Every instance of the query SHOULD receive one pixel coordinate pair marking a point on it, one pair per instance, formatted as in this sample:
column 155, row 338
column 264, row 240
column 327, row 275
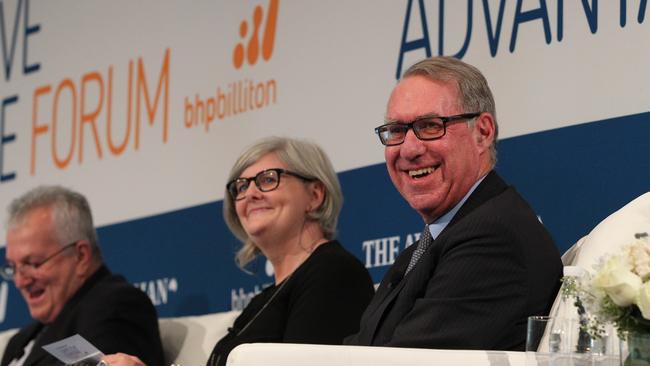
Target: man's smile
column 419, row 173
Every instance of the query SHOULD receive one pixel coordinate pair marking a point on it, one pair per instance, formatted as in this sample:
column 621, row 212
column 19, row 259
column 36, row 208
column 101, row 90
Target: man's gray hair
column 302, row 157
column 72, row 218
column 475, row 94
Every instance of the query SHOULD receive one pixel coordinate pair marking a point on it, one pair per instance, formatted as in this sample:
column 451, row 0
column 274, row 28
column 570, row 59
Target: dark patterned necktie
column 423, row 244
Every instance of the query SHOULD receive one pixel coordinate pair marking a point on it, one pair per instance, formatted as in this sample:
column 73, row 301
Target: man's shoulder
column 499, row 199
column 510, row 205
column 107, row 292
column 107, row 296
column 113, row 285
column 503, row 212
column 498, row 210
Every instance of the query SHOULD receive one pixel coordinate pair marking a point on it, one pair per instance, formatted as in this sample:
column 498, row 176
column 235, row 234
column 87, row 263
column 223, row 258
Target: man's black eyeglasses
column 9, row 270
column 425, row 128
column 266, row 180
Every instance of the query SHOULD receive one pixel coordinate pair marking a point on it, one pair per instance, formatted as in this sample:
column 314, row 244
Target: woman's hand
column 120, row 359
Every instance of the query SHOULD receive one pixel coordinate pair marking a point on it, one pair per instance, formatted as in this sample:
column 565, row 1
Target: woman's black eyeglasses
column 266, row 181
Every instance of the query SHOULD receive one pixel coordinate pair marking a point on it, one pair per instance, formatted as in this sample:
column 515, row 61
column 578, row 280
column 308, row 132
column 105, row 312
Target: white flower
column 618, row 281
column 643, row 300
column 638, row 254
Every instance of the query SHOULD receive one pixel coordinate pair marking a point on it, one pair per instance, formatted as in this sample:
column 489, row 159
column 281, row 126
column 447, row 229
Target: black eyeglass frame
column 411, row 126
column 279, row 171
column 8, row 272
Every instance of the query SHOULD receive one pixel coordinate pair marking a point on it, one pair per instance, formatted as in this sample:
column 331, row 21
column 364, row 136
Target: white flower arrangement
column 618, row 292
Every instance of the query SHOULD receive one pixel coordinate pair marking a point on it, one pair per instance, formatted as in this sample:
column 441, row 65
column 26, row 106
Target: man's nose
column 412, row 147
column 21, row 280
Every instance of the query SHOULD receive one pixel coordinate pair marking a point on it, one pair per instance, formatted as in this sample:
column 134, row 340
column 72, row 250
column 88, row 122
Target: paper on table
column 74, row 350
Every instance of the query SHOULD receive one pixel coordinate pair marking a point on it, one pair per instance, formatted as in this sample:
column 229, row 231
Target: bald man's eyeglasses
column 9, row 270
column 425, row 128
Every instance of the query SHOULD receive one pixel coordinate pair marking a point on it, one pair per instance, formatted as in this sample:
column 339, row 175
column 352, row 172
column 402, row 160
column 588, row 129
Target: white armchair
column 609, row 236
column 285, row 354
column 186, row 340
column 189, row 340
column 5, row 336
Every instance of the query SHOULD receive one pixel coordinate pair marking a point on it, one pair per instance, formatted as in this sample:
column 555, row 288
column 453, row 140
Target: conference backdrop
column 143, row 106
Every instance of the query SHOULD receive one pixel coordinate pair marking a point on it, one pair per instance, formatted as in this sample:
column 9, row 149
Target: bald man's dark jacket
column 108, row 311
column 489, row 269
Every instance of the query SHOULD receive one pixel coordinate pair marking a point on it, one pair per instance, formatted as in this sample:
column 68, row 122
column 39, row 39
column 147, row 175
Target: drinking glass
column 556, row 341
column 538, row 340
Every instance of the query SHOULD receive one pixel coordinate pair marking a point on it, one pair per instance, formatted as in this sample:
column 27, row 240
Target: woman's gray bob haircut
column 302, row 157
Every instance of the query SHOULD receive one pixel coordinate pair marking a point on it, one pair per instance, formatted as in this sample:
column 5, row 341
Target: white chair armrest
column 189, row 340
column 286, row 354
column 5, row 336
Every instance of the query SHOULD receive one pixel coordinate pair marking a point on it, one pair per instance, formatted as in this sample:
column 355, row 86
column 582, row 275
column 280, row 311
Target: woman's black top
column 321, row 302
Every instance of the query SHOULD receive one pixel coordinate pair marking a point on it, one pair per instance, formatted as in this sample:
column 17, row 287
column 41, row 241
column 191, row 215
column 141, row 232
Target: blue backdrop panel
column 573, row 177
column 576, row 176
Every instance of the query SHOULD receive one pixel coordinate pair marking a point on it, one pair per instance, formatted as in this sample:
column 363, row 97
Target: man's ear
column 84, row 257
column 484, row 131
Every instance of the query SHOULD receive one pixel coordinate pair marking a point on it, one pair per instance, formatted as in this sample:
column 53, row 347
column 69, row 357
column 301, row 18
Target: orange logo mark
column 252, row 51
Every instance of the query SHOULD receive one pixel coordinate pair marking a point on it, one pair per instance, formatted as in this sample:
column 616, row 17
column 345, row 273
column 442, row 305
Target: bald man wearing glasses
column 484, row 262
column 53, row 257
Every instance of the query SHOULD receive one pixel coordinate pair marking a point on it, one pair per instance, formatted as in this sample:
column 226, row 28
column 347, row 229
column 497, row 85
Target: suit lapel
column 35, row 332
column 390, row 287
column 17, row 344
column 394, row 278
column 37, row 354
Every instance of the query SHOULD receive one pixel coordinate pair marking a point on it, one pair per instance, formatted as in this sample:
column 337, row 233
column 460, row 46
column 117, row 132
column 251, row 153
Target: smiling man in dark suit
column 54, row 259
column 484, row 262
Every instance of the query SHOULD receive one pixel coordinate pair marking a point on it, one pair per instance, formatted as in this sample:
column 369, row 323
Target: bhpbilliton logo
column 254, row 41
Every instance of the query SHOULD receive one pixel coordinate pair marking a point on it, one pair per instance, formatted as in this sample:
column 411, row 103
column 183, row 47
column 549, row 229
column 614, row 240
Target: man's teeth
column 420, row 172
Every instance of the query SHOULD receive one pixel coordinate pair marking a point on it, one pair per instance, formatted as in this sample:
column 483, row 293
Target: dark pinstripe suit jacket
column 489, row 269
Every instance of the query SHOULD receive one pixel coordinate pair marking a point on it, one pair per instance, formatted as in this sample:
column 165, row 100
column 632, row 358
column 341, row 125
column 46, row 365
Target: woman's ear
column 316, row 194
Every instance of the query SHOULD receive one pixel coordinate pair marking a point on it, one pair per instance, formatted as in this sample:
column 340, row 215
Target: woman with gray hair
column 283, row 201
